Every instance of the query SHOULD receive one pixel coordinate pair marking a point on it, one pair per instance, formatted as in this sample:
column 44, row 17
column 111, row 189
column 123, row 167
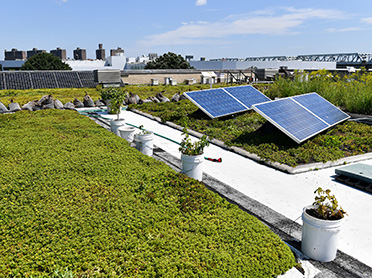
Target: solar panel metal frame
column 229, row 94
column 289, row 134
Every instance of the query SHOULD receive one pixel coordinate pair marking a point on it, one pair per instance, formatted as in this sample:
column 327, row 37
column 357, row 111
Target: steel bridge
column 342, row 59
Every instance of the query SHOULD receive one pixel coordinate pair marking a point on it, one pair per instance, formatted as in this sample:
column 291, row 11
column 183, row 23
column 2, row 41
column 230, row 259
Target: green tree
column 169, row 61
column 45, row 61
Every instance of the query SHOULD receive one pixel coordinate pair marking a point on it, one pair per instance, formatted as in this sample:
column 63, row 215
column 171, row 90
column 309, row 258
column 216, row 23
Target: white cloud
column 266, row 22
column 367, row 20
column 349, row 29
column 201, row 2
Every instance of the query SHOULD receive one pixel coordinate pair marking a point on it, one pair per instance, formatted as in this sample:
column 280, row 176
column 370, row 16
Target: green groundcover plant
column 78, row 201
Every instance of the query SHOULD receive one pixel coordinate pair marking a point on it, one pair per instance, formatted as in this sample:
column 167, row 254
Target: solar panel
column 43, row 79
column 17, row 80
column 301, row 117
column 226, row 101
column 68, row 79
column 215, row 102
column 2, row 83
column 248, row 95
column 322, row 108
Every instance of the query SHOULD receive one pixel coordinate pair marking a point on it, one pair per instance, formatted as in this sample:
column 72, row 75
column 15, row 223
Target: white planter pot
column 115, row 124
column 126, row 132
column 192, row 166
column 320, row 237
column 145, row 143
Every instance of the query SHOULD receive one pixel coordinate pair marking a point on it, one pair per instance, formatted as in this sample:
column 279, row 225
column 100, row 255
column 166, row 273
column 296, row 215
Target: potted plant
column 321, row 226
column 144, row 141
column 114, row 98
column 192, row 155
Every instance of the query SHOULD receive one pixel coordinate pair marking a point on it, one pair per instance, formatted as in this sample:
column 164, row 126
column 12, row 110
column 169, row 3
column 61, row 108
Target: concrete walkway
column 284, row 193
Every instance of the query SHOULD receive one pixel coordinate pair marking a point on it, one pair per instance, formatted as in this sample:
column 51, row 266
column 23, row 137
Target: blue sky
column 203, row 28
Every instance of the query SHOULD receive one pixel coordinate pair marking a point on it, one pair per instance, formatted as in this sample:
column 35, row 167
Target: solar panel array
column 2, row 84
column 226, row 101
column 87, row 79
column 43, row 79
column 301, row 117
column 21, row 80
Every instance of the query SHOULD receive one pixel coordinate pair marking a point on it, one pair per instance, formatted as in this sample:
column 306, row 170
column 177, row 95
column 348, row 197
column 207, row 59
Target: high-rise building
column 100, row 52
column 153, row 56
column 80, row 54
column 33, row 52
column 15, row 54
column 60, row 53
column 117, row 52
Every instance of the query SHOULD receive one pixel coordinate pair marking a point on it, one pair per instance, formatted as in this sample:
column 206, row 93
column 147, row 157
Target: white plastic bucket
column 192, row 166
column 320, row 237
column 145, row 143
column 126, row 132
column 115, row 124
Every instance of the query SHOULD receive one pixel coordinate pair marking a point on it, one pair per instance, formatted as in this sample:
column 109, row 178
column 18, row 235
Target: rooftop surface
column 283, row 193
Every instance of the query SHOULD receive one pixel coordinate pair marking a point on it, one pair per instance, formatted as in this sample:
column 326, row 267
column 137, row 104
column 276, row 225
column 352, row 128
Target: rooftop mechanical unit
column 108, row 78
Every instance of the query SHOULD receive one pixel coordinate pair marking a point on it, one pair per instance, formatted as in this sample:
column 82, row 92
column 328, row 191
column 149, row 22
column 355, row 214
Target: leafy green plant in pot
column 192, row 155
column 322, row 223
column 115, row 98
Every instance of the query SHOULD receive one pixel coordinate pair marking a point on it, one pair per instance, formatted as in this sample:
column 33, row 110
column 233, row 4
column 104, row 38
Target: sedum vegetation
column 78, row 201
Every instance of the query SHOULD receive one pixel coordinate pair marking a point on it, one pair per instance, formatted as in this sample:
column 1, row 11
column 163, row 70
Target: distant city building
column 153, row 56
column 14, row 55
column 33, row 52
column 60, row 53
column 80, row 54
column 117, row 52
column 142, row 59
column 131, row 60
column 100, row 52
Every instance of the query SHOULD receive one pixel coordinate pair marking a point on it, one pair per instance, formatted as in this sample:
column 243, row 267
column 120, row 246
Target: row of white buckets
column 319, row 237
column 191, row 164
column 144, row 142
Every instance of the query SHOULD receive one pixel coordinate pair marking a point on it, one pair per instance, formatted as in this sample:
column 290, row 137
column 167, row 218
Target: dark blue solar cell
column 294, row 120
column 322, row 108
column 215, row 102
column 248, row 95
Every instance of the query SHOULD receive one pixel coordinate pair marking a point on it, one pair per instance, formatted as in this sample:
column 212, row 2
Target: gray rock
column 58, row 104
column 46, row 102
column 88, row 101
column 3, row 108
column 161, row 97
column 99, row 103
column 78, row 103
column 14, row 106
column 154, row 99
column 147, row 100
column 29, row 105
column 69, row 105
column 176, row 97
column 40, row 102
